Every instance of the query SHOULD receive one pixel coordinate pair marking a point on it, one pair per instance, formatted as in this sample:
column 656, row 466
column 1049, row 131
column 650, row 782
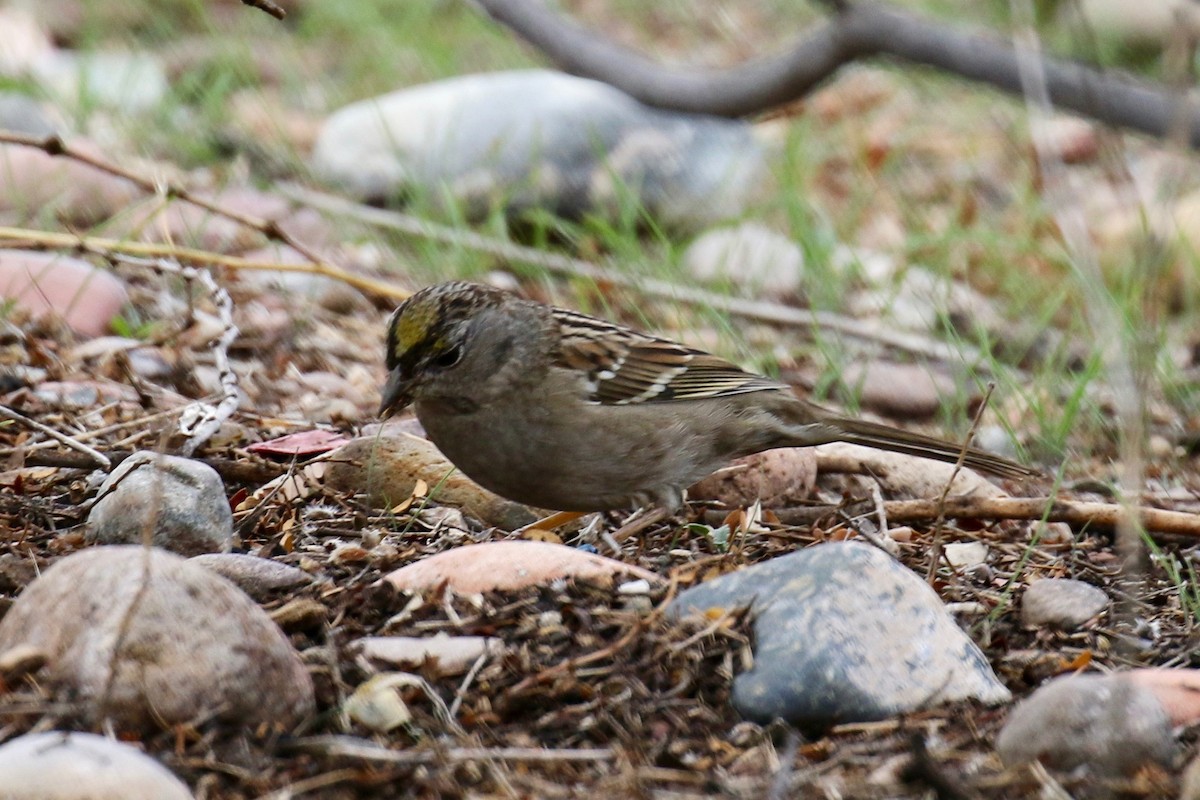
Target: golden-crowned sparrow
column 564, row 411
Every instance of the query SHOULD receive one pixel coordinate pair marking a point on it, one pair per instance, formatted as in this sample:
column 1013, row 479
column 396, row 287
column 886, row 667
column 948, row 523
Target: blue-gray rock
column 845, row 633
column 82, row 766
column 1106, row 724
column 1063, row 603
column 541, row 139
column 180, row 502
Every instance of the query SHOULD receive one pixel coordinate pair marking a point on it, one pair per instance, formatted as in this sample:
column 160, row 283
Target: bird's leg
column 555, row 520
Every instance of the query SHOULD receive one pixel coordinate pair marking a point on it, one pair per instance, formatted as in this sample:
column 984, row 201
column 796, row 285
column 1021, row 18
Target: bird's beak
column 397, row 394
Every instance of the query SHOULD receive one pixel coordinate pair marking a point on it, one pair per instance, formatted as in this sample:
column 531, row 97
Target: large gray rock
column 537, row 138
column 82, row 766
column 177, row 503
column 845, row 633
column 144, row 638
column 1063, row 603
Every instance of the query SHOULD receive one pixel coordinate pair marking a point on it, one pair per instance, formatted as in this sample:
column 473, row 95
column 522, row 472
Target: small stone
column 904, row 391
column 84, row 297
column 82, row 766
column 176, row 503
column 1069, row 139
column 377, row 705
column 752, row 257
column 964, row 555
column 1061, row 603
column 447, row 655
column 143, row 638
column 507, row 565
column 844, row 633
column 1105, row 724
column 258, row 577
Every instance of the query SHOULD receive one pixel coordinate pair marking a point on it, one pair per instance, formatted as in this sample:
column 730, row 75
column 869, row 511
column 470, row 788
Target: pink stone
column 489, row 566
column 44, row 283
column 1177, row 689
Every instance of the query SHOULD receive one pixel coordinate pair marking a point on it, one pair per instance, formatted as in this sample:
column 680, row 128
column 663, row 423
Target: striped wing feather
column 624, row 366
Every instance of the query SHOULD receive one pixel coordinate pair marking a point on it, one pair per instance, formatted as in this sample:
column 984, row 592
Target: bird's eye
column 447, row 358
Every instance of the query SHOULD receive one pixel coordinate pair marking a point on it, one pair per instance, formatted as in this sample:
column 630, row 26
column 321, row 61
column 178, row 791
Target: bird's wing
column 624, row 366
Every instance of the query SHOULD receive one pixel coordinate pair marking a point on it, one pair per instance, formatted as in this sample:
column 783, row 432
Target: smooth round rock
column 752, row 257
column 144, row 638
column 179, row 502
column 43, row 284
column 541, row 139
column 844, row 633
column 1062, row 603
column 82, row 766
column 1105, row 723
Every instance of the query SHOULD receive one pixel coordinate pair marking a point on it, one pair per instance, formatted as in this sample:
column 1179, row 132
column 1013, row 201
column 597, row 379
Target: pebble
column 507, row 565
column 541, row 139
column 192, row 643
column 1105, row 724
column 964, row 555
column 60, row 765
column 904, row 391
column 34, row 184
column 445, row 655
column 1062, row 603
column 260, row 578
column 179, row 502
column 43, row 284
column 845, row 633
column 753, row 258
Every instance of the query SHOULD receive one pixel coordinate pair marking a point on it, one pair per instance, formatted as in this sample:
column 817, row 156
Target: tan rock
column 387, row 467
column 146, row 639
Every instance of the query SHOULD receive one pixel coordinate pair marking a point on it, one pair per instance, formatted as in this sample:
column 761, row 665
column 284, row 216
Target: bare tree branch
column 856, row 31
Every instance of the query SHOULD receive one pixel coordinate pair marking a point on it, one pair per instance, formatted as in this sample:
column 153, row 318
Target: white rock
column 1061, row 603
column 82, row 766
column 751, row 256
column 962, row 555
column 545, row 139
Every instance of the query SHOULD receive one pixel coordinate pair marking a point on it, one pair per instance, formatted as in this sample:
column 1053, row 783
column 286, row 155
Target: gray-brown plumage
column 564, row 411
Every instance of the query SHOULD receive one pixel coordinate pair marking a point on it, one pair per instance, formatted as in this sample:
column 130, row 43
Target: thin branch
column 859, row 30
column 96, row 458
column 1052, row 509
column 273, row 9
column 351, row 747
column 47, row 240
column 758, row 310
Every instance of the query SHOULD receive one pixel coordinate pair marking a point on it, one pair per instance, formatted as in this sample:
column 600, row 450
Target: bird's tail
column 884, row 437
